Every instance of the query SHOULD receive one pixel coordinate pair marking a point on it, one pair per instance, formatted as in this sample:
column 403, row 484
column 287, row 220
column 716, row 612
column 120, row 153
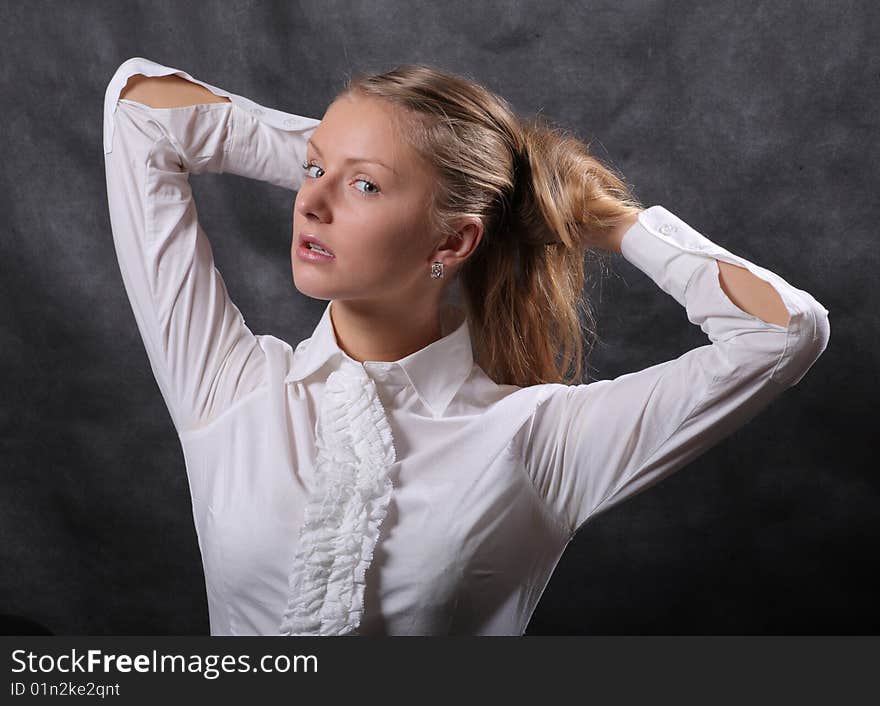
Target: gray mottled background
column 755, row 122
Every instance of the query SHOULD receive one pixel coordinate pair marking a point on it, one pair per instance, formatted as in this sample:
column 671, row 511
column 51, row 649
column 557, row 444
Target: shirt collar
column 436, row 371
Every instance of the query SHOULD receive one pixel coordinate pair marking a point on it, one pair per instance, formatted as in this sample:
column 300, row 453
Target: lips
column 305, row 238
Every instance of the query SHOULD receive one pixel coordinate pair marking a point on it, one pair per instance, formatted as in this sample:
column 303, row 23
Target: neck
column 388, row 332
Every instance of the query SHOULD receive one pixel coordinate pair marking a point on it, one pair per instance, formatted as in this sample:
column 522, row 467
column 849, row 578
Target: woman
column 419, row 464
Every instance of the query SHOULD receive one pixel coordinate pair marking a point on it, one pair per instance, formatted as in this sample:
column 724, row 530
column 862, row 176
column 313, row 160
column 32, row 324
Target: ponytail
column 525, row 292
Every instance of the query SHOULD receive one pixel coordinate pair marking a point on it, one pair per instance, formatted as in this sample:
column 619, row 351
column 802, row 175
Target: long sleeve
column 592, row 446
column 203, row 355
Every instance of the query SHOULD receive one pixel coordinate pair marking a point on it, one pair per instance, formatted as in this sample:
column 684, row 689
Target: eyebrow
column 356, row 160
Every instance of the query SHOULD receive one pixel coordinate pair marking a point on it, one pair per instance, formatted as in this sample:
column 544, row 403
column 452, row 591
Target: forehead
column 363, row 127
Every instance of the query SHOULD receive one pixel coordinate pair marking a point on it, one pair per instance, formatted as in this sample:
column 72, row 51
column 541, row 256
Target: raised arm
column 166, row 126
column 750, row 293
column 590, row 447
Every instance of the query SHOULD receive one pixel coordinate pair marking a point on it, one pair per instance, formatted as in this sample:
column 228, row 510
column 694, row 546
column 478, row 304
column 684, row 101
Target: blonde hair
column 539, row 194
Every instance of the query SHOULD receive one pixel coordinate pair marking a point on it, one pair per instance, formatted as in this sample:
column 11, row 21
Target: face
column 365, row 195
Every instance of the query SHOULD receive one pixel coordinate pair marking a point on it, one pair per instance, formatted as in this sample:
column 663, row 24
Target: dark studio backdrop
column 756, row 122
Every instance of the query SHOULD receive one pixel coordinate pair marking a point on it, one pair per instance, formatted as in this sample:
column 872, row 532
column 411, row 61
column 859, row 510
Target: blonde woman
column 419, row 464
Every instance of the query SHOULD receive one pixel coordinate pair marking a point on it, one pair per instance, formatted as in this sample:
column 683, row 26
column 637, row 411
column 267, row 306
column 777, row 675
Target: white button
column 667, row 228
column 256, row 111
column 290, row 122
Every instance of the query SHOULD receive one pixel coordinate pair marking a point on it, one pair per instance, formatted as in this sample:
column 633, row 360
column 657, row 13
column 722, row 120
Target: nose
column 312, row 200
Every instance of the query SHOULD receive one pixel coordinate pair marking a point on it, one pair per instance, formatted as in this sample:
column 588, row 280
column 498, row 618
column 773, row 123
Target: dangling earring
column 436, row 270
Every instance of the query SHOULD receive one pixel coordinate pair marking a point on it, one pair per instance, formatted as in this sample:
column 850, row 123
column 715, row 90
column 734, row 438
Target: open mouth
column 312, row 252
column 318, row 248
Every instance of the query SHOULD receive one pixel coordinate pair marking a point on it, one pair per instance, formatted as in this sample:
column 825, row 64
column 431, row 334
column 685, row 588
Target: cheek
column 393, row 242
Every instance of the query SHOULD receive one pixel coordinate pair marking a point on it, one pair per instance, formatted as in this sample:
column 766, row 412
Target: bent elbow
column 808, row 335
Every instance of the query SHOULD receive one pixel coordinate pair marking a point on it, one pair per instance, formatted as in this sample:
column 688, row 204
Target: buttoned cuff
column 266, row 144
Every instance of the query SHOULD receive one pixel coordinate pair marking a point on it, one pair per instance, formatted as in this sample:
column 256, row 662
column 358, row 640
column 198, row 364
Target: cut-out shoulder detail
column 752, row 294
column 167, row 92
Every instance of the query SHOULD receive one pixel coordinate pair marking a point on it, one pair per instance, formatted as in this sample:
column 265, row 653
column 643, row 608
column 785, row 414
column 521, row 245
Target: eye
column 372, row 185
column 309, row 165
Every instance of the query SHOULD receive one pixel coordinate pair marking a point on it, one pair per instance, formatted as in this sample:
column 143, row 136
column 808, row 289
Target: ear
column 456, row 248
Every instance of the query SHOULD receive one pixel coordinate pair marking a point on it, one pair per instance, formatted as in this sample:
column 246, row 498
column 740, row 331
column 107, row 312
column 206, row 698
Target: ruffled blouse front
column 345, row 509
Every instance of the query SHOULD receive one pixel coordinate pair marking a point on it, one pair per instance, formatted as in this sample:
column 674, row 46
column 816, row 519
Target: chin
column 312, row 286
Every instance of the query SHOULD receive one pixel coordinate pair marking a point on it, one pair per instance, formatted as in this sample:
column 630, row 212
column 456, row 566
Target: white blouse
column 414, row 497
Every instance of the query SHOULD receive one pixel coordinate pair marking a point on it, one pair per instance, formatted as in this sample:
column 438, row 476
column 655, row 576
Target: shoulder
column 484, row 394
